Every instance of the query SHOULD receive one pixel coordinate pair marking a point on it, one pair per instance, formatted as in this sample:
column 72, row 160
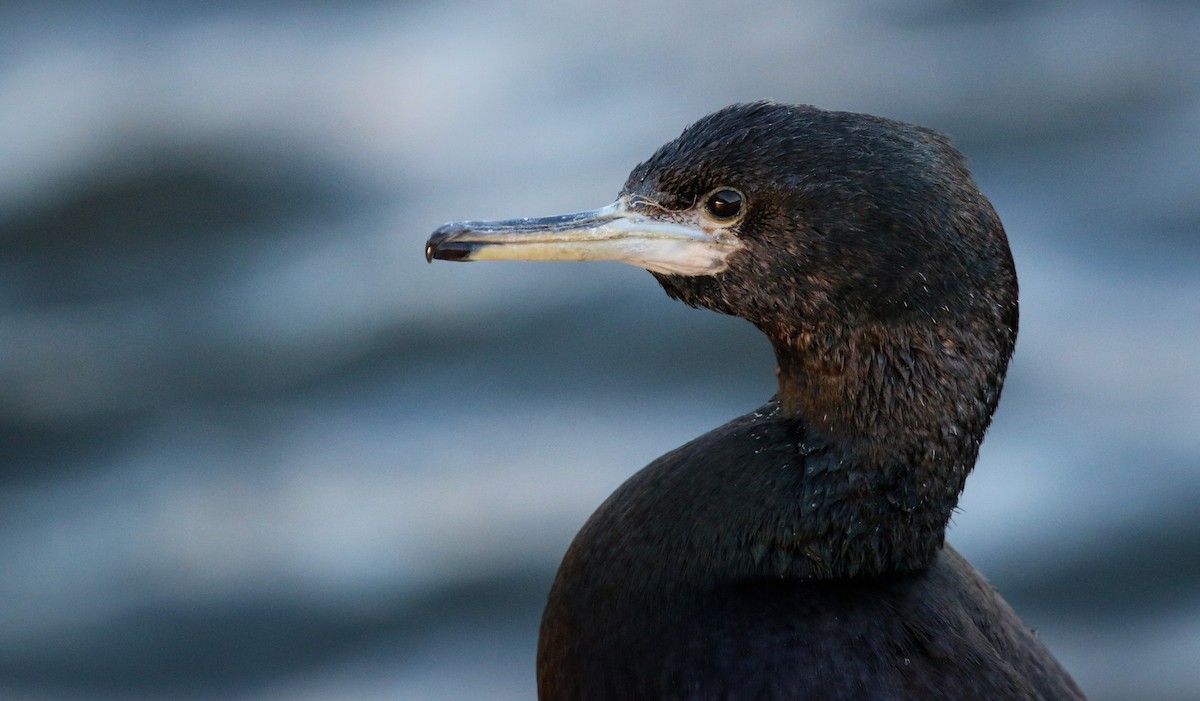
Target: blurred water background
column 252, row 447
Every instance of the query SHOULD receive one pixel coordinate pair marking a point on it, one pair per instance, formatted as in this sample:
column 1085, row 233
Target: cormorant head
column 786, row 215
column 825, row 229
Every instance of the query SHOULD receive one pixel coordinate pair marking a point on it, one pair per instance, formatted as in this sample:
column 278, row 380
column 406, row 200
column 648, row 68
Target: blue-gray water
column 252, row 447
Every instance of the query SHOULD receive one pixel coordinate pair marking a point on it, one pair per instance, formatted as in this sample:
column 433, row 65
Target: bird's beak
column 615, row 232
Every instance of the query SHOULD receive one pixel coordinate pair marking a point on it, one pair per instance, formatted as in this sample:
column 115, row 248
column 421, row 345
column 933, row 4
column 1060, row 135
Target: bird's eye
column 724, row 204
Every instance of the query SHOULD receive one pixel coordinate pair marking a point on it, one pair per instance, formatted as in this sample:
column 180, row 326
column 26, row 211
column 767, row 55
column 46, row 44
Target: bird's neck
column 909, row 413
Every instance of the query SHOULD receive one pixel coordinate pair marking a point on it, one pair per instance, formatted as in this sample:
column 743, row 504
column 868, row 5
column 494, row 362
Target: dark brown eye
column 724, row 204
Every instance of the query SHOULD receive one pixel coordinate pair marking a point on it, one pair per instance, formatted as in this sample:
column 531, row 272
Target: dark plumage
column 798, row 551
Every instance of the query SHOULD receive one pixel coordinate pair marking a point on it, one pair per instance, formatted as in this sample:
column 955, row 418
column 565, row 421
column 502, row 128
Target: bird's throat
column 880, row 386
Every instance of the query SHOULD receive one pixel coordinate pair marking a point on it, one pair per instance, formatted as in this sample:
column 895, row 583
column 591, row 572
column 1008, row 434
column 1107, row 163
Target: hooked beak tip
column 442, row 246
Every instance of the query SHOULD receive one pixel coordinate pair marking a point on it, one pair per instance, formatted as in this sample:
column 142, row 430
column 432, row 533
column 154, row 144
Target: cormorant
column 798, row 551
